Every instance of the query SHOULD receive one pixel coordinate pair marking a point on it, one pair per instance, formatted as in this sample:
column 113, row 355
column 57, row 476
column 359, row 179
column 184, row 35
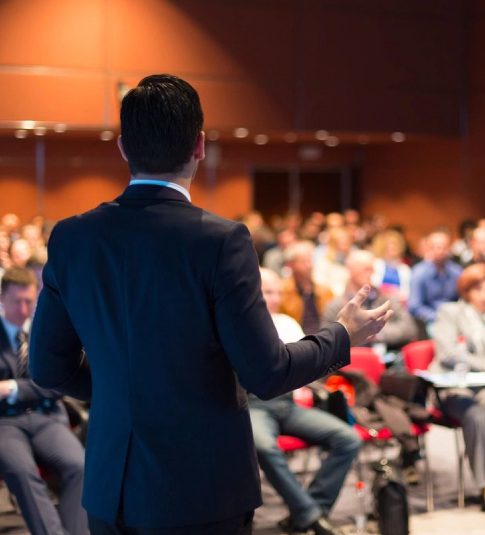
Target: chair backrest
column 366, row 360
column 418, row 355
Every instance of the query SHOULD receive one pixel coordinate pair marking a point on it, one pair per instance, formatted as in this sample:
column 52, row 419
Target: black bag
column 404, row 385
column 390, row 502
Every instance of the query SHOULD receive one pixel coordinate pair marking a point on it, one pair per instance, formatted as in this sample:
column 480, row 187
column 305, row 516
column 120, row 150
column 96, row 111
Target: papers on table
column 451, row 379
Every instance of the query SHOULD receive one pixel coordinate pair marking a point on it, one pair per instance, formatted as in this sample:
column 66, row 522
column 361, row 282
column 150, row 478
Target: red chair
column 418, row 356
column 365, row 360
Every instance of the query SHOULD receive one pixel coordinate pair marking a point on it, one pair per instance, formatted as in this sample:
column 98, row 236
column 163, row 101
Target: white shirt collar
column 12, row 331
column 173, row 185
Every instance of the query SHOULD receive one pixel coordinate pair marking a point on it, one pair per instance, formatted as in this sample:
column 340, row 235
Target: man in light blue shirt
column 34, row 424
column 433, row 281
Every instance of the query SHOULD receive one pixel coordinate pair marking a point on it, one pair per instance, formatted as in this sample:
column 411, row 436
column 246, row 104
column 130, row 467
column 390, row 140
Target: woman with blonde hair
column 391, row 275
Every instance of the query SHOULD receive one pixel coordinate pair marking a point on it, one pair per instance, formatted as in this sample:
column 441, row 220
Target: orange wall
column 272, row 64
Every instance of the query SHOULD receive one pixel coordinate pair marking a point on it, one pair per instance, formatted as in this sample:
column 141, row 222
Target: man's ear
column 119, row 141
column 199, row 151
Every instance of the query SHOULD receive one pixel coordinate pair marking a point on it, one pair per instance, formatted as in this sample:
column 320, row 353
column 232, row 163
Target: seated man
column 302, row 298
column 310, row 508
column 34, row 424
column 400, row 329
column 433, row 281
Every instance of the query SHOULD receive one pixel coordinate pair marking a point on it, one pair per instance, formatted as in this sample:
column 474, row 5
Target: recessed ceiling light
column 40, row 130
column 398, row 137
column 28, row 125
column 60, row 128
column 20, row 134
column 332, row 141
column 241, row 132
column 213, row 135
column 106, row 135
column 321, row 135
column 261, row 139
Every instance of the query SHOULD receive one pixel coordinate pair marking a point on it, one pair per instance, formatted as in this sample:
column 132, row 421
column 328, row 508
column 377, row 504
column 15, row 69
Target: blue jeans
column 282, row 417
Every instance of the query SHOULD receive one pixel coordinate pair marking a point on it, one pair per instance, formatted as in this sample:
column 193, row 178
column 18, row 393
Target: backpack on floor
column 390, row 502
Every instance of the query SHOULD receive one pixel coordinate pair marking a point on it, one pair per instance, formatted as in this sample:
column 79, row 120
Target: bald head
column 361, row 268
column 271, row 288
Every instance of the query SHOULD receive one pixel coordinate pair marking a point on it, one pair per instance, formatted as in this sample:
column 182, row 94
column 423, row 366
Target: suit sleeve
column 56, row 356
column 265, row 365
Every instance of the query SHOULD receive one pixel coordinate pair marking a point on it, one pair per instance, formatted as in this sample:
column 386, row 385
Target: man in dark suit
column 34, row 424
column 163, row 299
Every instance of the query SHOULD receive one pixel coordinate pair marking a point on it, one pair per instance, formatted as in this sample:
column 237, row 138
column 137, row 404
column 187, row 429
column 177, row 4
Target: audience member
column 400, row 329
column 303, row 299
column 274, row 258
column 460, row 249
column 34, row 424
column 391, row 275
column 11, row 223
column 329, row 260
column 477, row 246
column 459, row 333
column 309, row 508
column 20, row 253
column 433, row 281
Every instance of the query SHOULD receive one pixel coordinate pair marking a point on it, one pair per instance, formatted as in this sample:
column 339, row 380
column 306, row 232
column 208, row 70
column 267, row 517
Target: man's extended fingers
column 382, row 310
column 360, row 297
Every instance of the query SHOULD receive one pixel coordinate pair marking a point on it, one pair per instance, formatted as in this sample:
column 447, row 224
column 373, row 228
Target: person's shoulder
column 425, row 267
column 454, row 267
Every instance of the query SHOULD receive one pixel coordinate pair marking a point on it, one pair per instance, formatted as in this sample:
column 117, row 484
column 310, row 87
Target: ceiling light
column 29, row 125
column 106, row 135
column 40, row 130
column 261, row 139
column 20, row 134
column 213, row 135
column 321, row 135
column 290, row 137
column 241, row 132
column 332, row 141
column 363, row 140
column 398, row 137
column 60, row 128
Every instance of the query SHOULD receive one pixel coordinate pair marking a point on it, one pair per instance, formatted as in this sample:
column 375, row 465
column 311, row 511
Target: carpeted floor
column 447, row 519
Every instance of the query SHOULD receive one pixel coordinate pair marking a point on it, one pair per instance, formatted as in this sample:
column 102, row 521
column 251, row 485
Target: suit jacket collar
column 150, row 192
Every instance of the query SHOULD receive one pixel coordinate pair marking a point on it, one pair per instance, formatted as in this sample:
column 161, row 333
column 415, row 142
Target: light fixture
column 20, row 134
column 363, row 140
column 398, row 137
column 60, row 128
column 213, row 135
column 290, row 137
column 261, row 139
column 40, row 130
column 241, row 132
column 106, row 135
column 321, row 135
column 332, row 141
column 27, row 125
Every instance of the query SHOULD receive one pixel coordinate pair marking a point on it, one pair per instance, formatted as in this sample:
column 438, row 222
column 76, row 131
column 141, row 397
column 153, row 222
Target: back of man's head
column 161, row 120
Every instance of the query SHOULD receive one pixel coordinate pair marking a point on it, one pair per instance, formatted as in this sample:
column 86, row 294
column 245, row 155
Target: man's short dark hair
column 18, row 277
column 161, row 119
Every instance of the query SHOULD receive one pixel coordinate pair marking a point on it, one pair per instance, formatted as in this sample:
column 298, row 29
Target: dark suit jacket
column 165, row 299
column 28, row 391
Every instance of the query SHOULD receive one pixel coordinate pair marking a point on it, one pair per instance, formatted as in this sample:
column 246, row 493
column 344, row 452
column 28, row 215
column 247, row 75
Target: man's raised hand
column 362, row 325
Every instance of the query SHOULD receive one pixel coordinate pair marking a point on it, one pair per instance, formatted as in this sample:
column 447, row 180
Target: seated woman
column 391, row 275
column 460, row 339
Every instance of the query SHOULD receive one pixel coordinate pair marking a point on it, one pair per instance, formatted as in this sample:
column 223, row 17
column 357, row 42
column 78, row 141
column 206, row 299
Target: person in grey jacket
column 460, row 340
column 400, row 329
